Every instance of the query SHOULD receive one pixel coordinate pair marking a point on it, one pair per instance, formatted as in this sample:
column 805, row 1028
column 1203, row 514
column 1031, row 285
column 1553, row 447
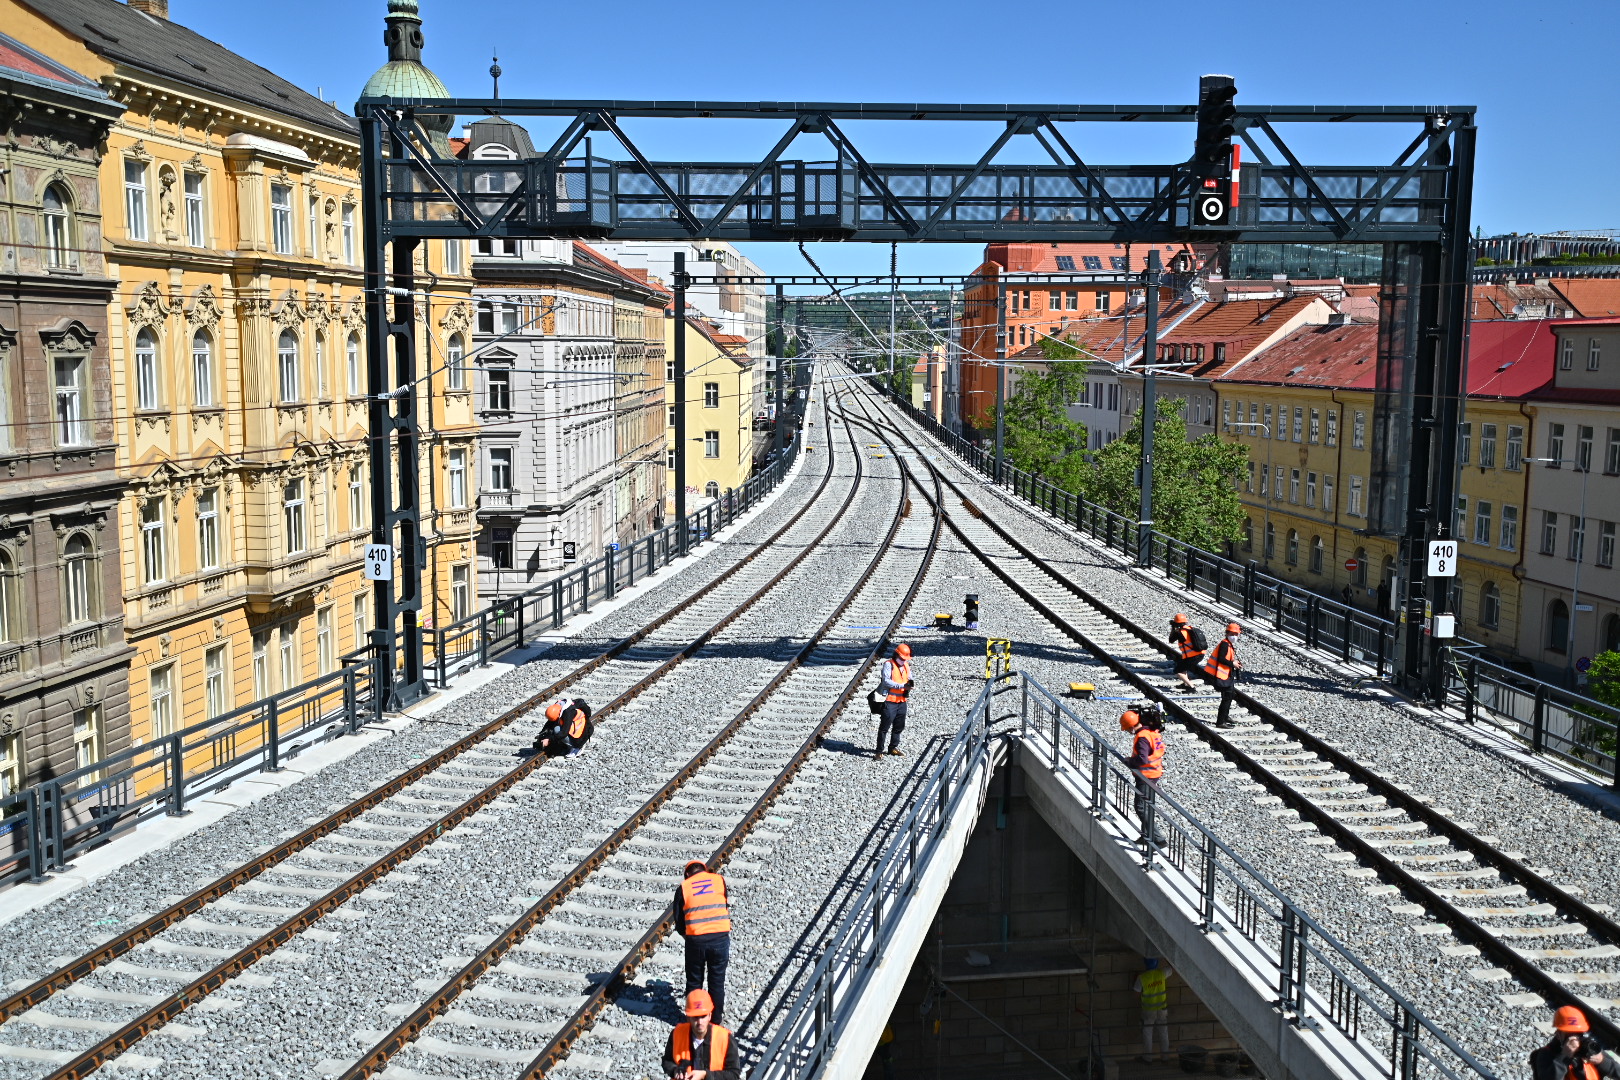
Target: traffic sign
column 1351, row 565
column 1211, row 205
column 379, row 562
column 1442, row 558
column 1583, row 663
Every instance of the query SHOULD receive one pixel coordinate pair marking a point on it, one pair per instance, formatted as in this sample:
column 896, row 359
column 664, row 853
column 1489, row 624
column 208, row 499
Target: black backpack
column 1199, row 641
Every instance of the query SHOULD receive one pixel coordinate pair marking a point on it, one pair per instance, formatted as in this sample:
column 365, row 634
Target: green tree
column 1041, row 439
column 1195, row 495
column 1603, row 683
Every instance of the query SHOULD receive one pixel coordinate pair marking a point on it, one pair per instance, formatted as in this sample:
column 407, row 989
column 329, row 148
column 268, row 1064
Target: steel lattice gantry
column 1417, row 205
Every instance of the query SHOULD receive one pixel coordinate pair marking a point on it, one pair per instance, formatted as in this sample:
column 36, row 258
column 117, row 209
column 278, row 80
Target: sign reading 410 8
column 379, row 562
column 1443, row 558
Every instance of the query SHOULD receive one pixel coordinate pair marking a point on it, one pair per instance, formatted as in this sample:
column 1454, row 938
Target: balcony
column 272, row 584
column 493, row 499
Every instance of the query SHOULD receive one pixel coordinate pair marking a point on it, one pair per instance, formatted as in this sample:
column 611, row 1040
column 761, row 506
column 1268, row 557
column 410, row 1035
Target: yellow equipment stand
column 997, row 658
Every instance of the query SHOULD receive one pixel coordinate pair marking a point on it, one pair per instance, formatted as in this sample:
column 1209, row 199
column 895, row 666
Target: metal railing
column 45, row 826
column 1317, row 980
column 1548, row 719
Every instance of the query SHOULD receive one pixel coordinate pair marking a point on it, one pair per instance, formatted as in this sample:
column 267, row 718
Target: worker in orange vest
column 700, row 1049
column 1222, row 668
column 1190, row 645
column 703, row 918
column 1573, row 1054
column 567, row 729
column 894, row 679
column 1145, row 724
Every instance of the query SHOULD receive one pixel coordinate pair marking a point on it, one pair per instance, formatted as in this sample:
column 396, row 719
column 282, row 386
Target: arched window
column 78, row 580
column 287, row 364
column 1293, row 547
column 323, row 387
column 455, row 364
column 1271, row 540
column 1490, row 605
column 202, row 370
column 352, row 358
column 1248, row 534
column 1318, row 551
column 1611, row 634
column 712, row 490
column 58, row 227
column 1558, row 627
column 9, row 588
column 146, row 371
column 1361, row 568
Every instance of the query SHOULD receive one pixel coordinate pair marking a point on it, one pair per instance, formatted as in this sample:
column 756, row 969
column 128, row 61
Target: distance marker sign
column 1442, row 558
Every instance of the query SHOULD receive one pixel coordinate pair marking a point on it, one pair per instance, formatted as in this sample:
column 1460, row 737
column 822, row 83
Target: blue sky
column 1543, row 77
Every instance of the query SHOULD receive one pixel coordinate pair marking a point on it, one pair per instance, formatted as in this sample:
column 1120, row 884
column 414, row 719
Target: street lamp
column 1585, row 468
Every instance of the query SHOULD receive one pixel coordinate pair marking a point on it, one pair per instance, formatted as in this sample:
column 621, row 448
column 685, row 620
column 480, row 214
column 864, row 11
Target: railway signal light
column 970, row 610
column 1215, row 156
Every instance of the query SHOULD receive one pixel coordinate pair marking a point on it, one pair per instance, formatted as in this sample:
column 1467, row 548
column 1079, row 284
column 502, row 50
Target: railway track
column 571, row 960
column 380, row 831
column 1484, row 902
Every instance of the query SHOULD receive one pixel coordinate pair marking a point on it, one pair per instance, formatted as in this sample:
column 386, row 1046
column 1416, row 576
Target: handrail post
column 1248, row 590
column 1383, row 650
column 522, row 606
column 351, row 699
column 1206, row 890
column 1285, row 959
column 483, row 638
column 1150, row 813
column 36, row 835
column 1472, row 695
column 1538, row 725
column 440, row 662
column 1099, row 779
column 177, row 778
column 273, row 719
column 584, row 588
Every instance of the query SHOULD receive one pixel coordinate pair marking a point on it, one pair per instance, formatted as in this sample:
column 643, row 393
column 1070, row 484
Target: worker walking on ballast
column 700, row 1049
column 1145, row 724
column 1222, row 668
column 894, row 679
column 703, row 918
column 1191, row 644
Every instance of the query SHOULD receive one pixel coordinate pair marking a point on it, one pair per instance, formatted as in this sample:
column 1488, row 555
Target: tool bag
column 874, row 701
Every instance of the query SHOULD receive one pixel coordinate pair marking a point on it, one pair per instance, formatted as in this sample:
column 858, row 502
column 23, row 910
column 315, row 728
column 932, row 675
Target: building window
column 1465, row 442
column 1577, row 538
column 1558, row 626
column 287, row 364
column 712, row 489
column 1065, row 262
column 1333, row 427
column 711, row 395
column 1549, row 532
column 1265, row 480
column 1482, row 523
column 154, row 551
column 325, row 658
column 1271, row 540
column 1353, row 503
column 1293, row 486
column 1226, row 415
column 9, row 595
column 1611, row 452
column 1318, row 554
column 1101, row 303
column 1594, row 354
column 361, row 607
column 135, row 199
column 58, row 228
column 1555, row 445
column 1248, row 534
column 281, row 218
column 1327, row 493
column 348, row 235
column 1566, row 355
column 452, row 256
column 458, row 477
column 1358, row 431
column 352, row 358
column 322, row 386
column 312, row 225
column 87, row 747
column 1487, row 446
column 216, row 698
column 202, row 370
column 71, row 427
column 509, row 319
column 455, row 363
column 1248, row 483
column 1267, row 423
column 357, row 499
column 1605, row 551
column 208, row 528
column 1359, row 576
column 460, row 592
column 669, row 371
column 1299, row 423
column 500, row 549
column 500, row 468
column 1583, row 448
column 10, row 764
column 162, row 704
column 485, row 318
column 1515, row 448
column 1277, row 483
column 196, row 229
column 146, row 371
column 261, row 664
column 500, row 390
column 1293, row 548
column 711, row 444
column 1310, row 489
column 294, row 526
column 291, row 670
column 78, row 580
column 1459, row 524
column 670, row 422
column 1316, row 425
column 1490, row 605
column 1509, row 533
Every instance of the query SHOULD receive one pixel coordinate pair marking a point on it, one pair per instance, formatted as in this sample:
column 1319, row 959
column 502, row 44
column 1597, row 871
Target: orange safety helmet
column 1233, row 628
column 687, row 871
column 903, row 651
column 1129, row 720
column 1178, row 617
column 554, row 711
column 1571, row 1020
column 699, row 1003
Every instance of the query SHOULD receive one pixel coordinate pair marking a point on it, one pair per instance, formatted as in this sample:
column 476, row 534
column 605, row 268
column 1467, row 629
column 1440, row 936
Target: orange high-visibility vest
column 1155, row 754
column 1184, row 639
column 576, row 727
column 1221, row 658
column 719, row 1044
column 901, row 673
column 703, row 900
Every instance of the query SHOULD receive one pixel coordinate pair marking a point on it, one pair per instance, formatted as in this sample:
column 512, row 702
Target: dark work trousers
column 1225, row 687
column 711, row 952
column 1140, row 799
column 892, row 722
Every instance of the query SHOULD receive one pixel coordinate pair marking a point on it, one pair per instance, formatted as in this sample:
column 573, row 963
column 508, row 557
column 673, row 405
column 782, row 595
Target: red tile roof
column 1592, row 298
column 584, row 251
column 19, row 57
column 1510, row 358
column 1341, row 357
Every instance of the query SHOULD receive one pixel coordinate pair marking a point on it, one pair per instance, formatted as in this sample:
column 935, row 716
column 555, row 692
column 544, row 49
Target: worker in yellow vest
column 1153, row 985
column 703, row 918
column 700, row 1049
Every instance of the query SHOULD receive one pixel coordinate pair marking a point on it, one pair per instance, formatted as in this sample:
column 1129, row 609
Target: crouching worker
column 567, row 729
column 700, row 1049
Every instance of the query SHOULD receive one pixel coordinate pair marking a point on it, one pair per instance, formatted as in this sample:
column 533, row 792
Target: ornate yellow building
column 232, row 223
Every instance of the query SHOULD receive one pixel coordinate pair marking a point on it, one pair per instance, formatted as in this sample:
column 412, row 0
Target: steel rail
column 154, row 1018
column 1598, row 925
column 412, row 1026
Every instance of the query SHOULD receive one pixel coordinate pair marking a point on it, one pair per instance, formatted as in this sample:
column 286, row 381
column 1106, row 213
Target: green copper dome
column 405, row 76
column 404, row 79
